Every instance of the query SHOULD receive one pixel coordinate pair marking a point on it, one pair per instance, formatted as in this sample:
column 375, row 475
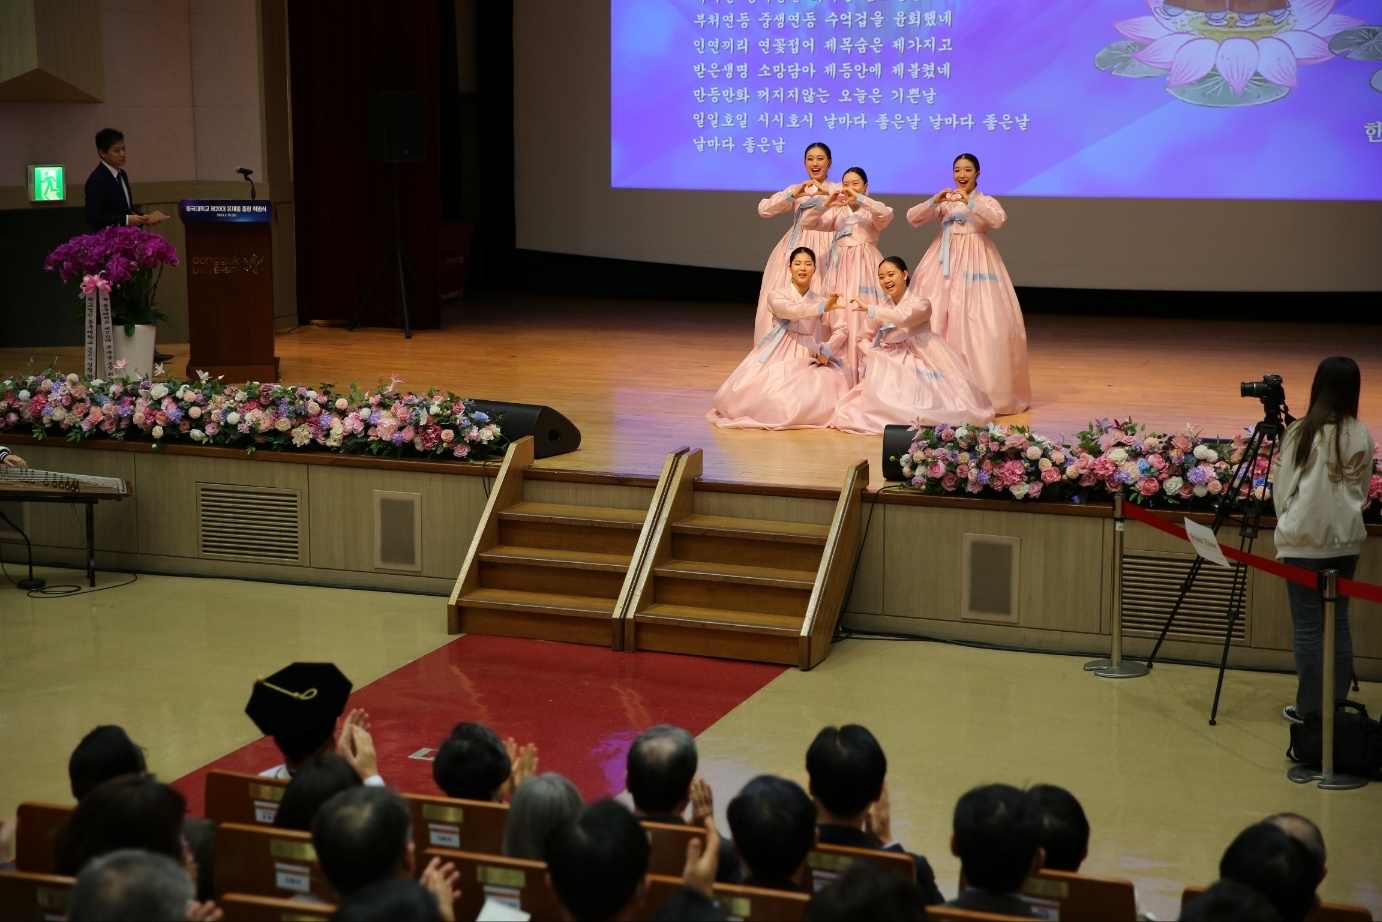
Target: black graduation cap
column 298, row 698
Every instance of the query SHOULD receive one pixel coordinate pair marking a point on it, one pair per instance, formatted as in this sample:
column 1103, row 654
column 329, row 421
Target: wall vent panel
column 988, row 578
column 397, row 531
column 1151, row 583
column 250, row 523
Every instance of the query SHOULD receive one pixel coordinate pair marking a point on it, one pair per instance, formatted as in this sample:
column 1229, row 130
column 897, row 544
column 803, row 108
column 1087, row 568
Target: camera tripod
column 1238, row 506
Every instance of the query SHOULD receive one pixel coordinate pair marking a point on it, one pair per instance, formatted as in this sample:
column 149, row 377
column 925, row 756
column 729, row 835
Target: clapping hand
column 204, row 912
column 702, row 802
column 703, row 858
column 440, row 879
column 356, row 746
column 524, row 762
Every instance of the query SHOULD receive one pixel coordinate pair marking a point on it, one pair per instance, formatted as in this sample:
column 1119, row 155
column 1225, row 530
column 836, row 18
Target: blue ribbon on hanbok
column 945, row 239
column 835, row 242
column 884, row 330
column 796, row 222
column 768, row 342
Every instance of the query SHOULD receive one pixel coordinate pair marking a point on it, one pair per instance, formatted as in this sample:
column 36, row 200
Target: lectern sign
column 218, row 211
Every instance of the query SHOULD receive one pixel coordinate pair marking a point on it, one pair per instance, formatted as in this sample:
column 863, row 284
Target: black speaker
column 896, row 441
column 553, row 434
column 394, row 122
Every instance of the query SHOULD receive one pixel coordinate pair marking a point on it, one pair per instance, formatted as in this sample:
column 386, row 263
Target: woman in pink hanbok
column 796, row 199
column 910, row 374
column 854, row 220
column 788, row 380
column 972, row 299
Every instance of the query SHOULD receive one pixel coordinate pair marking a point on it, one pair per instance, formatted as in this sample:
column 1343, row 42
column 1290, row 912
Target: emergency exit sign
column 47, row 182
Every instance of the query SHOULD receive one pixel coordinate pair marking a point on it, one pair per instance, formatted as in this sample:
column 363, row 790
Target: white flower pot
column 136, row 350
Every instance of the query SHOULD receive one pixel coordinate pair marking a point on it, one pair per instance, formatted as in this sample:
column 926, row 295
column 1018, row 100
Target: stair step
column 549, row 557
column 760, row 529
column 579, row 606
column 553, row 513
column 738, row 573
column 719, row 619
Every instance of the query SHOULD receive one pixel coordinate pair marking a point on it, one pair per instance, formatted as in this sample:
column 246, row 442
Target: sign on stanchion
column 1325, row 774
column 1114, row 667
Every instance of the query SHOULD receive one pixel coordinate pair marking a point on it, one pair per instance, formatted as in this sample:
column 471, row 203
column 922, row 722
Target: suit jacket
column 1003, row 904
column 105, row 199
column 727, row 871
column 850, row 837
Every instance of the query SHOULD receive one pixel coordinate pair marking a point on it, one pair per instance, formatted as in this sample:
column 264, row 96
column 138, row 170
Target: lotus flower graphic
column 1229, row 52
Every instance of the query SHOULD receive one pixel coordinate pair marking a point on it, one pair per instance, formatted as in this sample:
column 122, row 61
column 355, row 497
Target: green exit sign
column 47, row 182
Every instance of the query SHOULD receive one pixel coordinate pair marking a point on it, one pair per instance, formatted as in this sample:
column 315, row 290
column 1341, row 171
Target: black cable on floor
column 65, row 590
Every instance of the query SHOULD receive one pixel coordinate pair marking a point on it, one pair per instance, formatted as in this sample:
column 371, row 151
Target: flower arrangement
column 128, row 260
column 1106, row 458
column 1121, row 457
column 1007, row 460
column 210, row 412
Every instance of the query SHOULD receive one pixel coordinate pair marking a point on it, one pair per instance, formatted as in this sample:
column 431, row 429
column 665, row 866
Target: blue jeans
column 1307, row 614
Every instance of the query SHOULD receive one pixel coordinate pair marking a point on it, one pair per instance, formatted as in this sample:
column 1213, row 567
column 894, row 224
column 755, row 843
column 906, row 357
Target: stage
column 637, row 376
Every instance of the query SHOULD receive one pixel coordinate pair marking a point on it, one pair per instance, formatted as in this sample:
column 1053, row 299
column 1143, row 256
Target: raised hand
column 703, row 860
column 702, row 802
column 356, row 746
column 832, row 303
column 847, row 196
column 943, row 194
column 859, row 306
column 806, row 189
column 524, row 766
column 441, row 879
column 204, row 912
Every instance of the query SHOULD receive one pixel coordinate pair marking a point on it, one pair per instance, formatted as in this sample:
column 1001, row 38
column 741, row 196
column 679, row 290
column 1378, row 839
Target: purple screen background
column 1091, row 134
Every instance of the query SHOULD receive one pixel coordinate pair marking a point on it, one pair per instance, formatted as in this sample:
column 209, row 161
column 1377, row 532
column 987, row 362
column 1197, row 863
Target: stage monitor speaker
column 896, row 441
column 553, row 434
column 394, row 121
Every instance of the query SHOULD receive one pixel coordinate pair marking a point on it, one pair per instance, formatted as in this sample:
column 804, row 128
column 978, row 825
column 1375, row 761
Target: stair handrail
column 674, row 479
column 622, row 615
column 846, row 518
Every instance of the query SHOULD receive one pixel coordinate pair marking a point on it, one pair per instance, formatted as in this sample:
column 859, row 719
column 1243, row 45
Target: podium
column 230, row 289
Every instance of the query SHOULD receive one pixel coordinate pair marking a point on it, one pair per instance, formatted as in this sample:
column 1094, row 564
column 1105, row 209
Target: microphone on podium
column 245, row 172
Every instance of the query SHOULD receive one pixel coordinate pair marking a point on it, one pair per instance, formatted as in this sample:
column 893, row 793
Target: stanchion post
column 1114, row 667
column 1329, row 780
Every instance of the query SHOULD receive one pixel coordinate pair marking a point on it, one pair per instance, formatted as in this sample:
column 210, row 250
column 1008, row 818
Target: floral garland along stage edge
column 210, row 412
column 1107, row 458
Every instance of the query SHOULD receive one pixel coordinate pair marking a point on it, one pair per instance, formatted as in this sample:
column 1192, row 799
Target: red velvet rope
column 1349, row 587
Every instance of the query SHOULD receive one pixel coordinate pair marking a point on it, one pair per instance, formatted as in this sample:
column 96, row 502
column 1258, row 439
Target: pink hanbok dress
column 777, row 273
column 780, row 384
column 910, row 374
column 854, row 259
column 973, row 302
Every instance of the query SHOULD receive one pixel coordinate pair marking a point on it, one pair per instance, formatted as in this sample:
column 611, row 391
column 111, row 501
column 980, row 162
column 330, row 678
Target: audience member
column 200, row 834
column 773, row 822
column 661, row 778
column 539, row 805
column 104, row 753
column 1276, row 865
column 299, row 706
column 473, row 763
column 597, row 863
column 131, row 884
column 363, row 835
column 864, row 893
column 997, row 837
column 1229, row 901
column 1064, row 829
column 318, row 780
column 397, row 899
column 1306, row 833
column 848, row 772
column 131, row 811
column 694, row 900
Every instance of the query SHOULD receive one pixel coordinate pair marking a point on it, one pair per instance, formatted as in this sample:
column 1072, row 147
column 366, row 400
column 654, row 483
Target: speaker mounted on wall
column 896, row 441
column 553, row 434
column 394, row 123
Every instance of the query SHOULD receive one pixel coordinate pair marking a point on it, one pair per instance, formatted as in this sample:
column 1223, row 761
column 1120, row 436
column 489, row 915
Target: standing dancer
column 796, row 199
column 787, row 381
column 911, row 375
column 855, row 221
column 973, row 302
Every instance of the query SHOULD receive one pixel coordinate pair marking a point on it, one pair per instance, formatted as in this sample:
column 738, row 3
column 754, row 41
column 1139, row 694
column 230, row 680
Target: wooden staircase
column 744, row 588
column 668, row 577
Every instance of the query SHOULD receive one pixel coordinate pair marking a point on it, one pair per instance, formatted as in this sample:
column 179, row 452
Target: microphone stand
column 31, row 583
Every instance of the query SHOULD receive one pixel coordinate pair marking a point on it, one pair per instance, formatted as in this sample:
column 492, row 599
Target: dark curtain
column 339, row 54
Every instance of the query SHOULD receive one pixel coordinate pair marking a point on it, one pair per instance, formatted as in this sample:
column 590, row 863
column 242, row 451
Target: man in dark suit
column 109, row 201
column 847, row 770
column 997, row 838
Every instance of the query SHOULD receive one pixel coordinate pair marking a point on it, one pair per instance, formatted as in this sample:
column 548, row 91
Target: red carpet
column 581, row 705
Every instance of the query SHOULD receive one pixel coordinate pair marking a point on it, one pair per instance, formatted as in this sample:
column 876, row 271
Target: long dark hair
column 807, row 250
column 1333, row 399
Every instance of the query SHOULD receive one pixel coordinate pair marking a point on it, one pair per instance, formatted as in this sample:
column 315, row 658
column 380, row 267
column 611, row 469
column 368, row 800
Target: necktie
column 124, row 187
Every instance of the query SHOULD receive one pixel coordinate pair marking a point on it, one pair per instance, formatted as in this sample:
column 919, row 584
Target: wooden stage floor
column 637, row 376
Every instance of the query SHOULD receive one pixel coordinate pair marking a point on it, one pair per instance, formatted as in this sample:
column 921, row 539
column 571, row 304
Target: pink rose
column 1149, row 486
column 1033, row 491
column 936, row 470
column 949, row 482
column 1157, row 461
column 1050, row 475
column 1182, row 443
column 962, row 471
column 974, row 486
